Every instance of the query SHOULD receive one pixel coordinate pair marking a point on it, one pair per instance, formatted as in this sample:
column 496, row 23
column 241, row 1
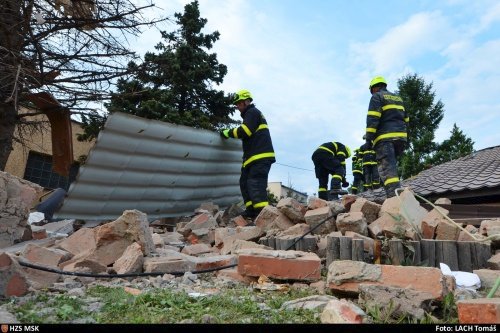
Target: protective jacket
column 387, row 118
column 254, row 133
column 337, row 149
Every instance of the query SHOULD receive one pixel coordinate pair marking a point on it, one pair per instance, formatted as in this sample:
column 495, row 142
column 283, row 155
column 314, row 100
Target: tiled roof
column 477, row 171
column 473, row 173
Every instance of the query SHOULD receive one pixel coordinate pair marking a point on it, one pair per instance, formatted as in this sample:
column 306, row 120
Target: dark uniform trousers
column 324, row 165
column 253, row 183
column 371, row 176
column 357, row 183
column 388, row 152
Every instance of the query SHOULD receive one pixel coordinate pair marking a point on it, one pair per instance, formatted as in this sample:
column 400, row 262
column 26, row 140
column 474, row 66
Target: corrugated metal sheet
column 158, row 168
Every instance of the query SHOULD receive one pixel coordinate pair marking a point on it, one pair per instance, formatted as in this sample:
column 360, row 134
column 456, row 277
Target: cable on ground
column 111, row 276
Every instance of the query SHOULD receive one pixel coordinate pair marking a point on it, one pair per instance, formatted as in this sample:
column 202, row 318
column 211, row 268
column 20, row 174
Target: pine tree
column 458, row 145
column 176, row 84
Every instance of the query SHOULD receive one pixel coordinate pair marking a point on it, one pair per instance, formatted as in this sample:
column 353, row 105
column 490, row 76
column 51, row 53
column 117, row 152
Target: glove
column 345, row 183
column 224, row 134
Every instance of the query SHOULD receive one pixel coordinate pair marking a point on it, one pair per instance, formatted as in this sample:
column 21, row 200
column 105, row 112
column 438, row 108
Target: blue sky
column 308, row 65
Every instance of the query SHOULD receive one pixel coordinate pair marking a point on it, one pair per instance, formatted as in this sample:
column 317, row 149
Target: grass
column 165, row 306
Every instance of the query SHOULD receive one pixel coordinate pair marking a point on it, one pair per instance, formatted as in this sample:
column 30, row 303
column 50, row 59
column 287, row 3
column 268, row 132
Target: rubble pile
column 286, row 244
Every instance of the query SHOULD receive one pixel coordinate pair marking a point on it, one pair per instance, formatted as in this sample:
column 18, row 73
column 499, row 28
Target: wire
column 294, row 167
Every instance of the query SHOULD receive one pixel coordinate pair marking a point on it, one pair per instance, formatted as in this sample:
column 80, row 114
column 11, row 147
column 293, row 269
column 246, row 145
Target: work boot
column 390, row 190
column 248, row 214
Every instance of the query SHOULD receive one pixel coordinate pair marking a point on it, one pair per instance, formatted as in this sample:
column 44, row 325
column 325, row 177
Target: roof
column 477, row 174
column 472, row 176
column 158, row 168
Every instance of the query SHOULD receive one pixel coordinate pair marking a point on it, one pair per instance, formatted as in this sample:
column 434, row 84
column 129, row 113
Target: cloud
column 422, row 33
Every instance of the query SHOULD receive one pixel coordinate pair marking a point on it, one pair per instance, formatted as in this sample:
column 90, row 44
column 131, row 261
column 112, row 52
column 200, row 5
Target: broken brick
column 281, row 265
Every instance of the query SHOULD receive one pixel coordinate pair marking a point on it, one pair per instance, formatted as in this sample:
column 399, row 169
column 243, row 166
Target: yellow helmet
column 242, row 95
column 375, row 80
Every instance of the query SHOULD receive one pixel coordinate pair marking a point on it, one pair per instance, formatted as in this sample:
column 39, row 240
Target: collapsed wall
column 16, row 199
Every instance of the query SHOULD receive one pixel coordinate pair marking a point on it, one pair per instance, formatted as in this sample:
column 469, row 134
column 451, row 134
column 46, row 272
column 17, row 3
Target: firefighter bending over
column 328, row 159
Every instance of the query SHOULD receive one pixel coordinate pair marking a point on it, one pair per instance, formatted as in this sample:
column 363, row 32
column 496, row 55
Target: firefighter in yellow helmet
column 258, row 153
column 386, row 132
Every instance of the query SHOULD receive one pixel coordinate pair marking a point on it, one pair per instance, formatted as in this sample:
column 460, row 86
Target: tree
column 72, row 49
column 458, row 145
column 176, row 84
column 425, row 116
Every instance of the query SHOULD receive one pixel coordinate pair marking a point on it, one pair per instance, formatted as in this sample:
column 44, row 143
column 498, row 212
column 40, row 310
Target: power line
column 294, row 167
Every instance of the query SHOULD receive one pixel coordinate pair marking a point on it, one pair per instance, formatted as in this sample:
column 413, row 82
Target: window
column 39, row 171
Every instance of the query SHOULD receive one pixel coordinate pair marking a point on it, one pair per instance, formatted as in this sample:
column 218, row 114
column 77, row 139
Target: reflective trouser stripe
column 390, row 135
column 322, row 189
column 354, row 187
column 337, row 176
column 391, row 180
column 261, row 204
column 248, row 203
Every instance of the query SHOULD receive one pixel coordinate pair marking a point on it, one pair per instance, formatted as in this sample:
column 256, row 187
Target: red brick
column 17, row 286
column 281, row 265
column 240, row 221
column 479, row 311
column 343, row 312
column 347, row 275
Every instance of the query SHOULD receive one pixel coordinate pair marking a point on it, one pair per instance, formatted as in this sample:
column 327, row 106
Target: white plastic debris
column 36, row 217
column 463, row 279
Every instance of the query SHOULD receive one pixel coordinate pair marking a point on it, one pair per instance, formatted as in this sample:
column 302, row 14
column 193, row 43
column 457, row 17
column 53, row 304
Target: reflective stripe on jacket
column 387, row 117
column 255, row 136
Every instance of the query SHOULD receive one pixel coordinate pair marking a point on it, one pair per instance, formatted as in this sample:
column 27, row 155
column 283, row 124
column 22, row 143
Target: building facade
column 281, row 191
column 33, row 160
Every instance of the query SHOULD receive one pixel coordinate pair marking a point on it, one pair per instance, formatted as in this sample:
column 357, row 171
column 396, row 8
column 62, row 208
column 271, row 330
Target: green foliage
column 458, row 145
column 425, row 116
column 175, row 84
column 231, row 306
column 271, row 198
column 45, row 309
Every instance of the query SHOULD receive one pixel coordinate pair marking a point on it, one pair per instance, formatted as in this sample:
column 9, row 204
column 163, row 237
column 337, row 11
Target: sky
column 308, row 65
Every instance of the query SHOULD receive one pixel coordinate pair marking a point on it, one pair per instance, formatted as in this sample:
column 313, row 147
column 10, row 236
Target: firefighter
column 370, row 172
column 357, row 171
column 386, row 132
column 258, row 153
column 328, row 159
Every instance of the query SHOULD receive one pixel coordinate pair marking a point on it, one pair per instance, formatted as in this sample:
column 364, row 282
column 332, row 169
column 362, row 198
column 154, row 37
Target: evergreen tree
column 425, row 116
column 176, row 84
column 458, row 145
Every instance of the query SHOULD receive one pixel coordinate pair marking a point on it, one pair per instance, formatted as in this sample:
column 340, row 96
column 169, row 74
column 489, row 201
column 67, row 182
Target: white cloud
column 421, row 33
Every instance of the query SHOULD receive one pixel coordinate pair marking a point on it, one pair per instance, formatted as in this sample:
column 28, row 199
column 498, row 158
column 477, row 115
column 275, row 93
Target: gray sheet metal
column 159, row 168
